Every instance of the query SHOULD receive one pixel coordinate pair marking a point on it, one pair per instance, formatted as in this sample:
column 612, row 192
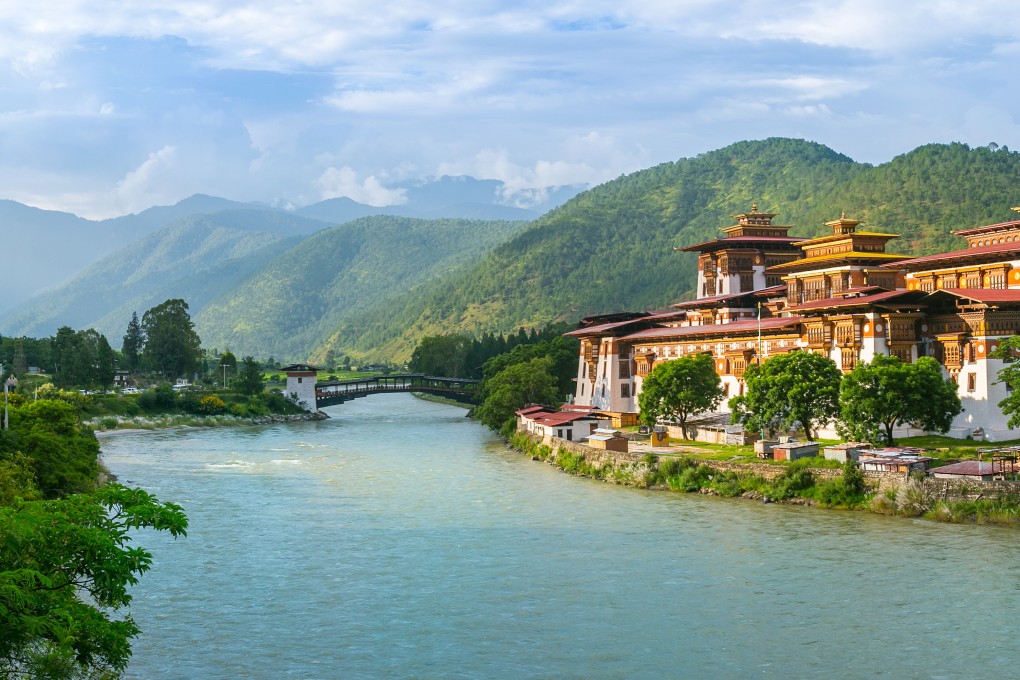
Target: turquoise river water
column 401, row 540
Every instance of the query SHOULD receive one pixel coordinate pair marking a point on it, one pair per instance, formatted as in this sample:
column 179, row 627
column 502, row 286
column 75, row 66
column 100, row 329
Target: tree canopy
column 509, row 390
column 678, row 389
column 798, row 387
column 172, row 347
column 249, row 378
column 66, row 568
column 133, row 343
column 1008, row 351
column 879, row 395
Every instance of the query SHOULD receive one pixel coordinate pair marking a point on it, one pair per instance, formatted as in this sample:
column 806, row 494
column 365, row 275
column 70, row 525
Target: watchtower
column 301, row 380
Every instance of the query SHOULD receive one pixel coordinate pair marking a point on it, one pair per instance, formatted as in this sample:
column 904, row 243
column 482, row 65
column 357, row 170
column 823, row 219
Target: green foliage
column 877, row 396
column 172, row 347
column 847, row 491
column 514, row 387
column 442, row 355
column 65, row 569
column 795, row 479
column 250, row 380
column 64, row 454
column 79, row 401
column 676, row 390
column 1008, row 351
column 17, row 477
column 133, row 343
column 798, row 387
column 82, row 359
column 1000, row 511
column 312, row 294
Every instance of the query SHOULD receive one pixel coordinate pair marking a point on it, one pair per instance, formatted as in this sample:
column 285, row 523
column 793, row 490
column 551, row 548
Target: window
column 624, row 368
column 625, row 391
column 971, row 382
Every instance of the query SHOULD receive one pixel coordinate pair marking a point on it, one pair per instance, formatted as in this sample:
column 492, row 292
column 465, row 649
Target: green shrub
column 109, row 423
column 691, row 478
column 848, row 490
column 795, row 478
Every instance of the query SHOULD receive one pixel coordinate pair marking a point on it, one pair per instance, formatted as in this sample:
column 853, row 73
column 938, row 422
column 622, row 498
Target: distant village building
column 762, row 292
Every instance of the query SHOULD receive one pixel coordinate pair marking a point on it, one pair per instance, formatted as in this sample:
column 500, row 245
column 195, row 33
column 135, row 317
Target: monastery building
column 762, row 292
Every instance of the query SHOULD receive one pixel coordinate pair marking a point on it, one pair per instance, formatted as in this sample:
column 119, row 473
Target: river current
column 400, row 539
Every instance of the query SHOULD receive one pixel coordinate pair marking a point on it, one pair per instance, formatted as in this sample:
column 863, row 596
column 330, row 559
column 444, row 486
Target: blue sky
column 108, row 108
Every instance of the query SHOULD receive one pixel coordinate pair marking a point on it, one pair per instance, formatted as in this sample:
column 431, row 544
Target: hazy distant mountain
column 44, row 249
column 196, row 258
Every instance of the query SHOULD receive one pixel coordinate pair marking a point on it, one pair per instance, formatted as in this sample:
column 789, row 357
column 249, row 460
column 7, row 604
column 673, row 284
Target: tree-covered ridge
column 611, row 248
column 194, row 258
column 308, row 291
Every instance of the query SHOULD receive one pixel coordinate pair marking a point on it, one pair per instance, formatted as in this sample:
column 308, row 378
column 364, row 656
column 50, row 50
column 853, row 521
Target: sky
column 108, row 108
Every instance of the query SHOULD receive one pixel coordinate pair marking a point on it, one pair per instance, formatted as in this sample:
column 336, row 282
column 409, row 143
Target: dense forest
column 299, row 298
column 611, row 248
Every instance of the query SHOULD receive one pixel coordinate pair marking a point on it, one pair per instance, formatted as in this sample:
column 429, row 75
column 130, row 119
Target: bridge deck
column 331, row 392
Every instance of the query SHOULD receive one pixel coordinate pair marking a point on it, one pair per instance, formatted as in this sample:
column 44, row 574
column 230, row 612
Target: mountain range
column 351, row 279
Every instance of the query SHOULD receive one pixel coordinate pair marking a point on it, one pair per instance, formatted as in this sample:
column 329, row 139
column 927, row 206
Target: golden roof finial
column 1017, row 209
column 754, row 208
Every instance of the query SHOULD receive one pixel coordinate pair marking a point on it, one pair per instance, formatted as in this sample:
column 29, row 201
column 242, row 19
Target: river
column 401, row 540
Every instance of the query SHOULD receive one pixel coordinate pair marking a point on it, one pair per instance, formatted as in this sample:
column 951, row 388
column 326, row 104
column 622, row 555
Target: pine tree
column 134, row 341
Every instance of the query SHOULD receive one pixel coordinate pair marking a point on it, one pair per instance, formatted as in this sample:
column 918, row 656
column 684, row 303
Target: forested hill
column 611, row 248
column 298, row 299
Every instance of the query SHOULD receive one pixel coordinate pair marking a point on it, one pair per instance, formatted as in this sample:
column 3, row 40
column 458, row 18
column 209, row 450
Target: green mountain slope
column 300, row 297
column 610, row 248
column 192, row 258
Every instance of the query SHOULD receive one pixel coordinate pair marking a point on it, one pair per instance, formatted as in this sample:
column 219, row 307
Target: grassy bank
column 796, row 484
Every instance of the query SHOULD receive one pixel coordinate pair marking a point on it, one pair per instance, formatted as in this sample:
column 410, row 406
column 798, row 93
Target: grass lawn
column 947, row 448
column 746, row 454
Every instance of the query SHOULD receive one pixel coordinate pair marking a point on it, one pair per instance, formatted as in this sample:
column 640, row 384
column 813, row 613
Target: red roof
column 989, row 227
column 527, row 410
column 561, row 417
column 968, row 467
column 751, row 325
column 606, row 327
column 966, row 254
column 732, row 241
column 984, row 295
column 857, row 301
column 712, row 299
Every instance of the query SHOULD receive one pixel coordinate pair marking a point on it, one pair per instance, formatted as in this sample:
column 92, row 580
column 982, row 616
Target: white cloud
column 337, row 182
column 144, row 186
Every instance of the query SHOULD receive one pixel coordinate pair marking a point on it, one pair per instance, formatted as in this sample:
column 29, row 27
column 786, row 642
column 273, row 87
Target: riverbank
column 798, row 483
column 186, row 422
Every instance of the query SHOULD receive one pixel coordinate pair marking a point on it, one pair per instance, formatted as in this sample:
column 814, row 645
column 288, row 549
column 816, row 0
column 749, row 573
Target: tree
column 172, row 347
column 64, row 453
column 799, row 387
column 249, row 379
column 879, row 395
column 442, row 355
column 1008, row 351
column 679, row 389
column 66, row 568
column 134, row 343
column 508, row 391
